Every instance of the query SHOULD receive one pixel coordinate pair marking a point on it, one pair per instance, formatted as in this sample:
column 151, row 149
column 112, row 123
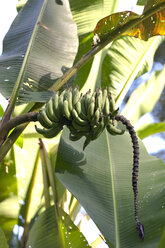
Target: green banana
column 45, row 118
column 91, row 109
column 50, row 112
column 83, row 108
column 70, row 106
column 76, row 137
column 104, row 96
column 97, row 130
column 87, row 141
column 99, row 99
column 106, row 107
column 87, row 97
column 49, row 133
column 80, row 127
column 77, row 119
column 114, row 130
column 61, row 100
column 95, row 118
column 84, row 115
column 55, row 105
column 75, row 96
column 39, row 117
column 65, row 110
column 78, row 106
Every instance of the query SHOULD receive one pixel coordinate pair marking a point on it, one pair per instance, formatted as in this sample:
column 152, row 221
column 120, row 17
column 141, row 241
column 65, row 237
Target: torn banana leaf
column 115, row 23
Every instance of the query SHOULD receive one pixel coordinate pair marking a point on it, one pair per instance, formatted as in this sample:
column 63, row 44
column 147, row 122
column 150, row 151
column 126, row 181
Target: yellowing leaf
column 152, row 24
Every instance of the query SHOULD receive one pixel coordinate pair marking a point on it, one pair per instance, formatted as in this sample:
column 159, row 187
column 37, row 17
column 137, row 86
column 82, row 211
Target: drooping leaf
column 44, row 232
column 25, row 207
column 8, row 181
column 8, row 195
column 3, row 241
column 85, row 14
column 127, row 59
column 144, row 98
column 25, row 163
column 100, row 178
column 152, row 26
column 150, row 129
column 38, row 48
column 162, row 241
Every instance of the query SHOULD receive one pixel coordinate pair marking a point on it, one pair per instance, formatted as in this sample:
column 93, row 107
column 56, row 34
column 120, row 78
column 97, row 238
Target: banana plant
column 40, row 63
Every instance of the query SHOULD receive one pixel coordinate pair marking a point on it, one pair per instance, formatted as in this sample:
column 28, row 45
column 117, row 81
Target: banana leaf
column 86, row 14
column 45, row 233
column 39, row 47
column 100, row 178
column 127, row 59
column 150, row 129
column 145, row 96
column 3, row 241
column 151, row 26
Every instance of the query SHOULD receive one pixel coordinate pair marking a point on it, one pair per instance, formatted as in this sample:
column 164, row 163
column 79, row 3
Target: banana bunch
column 84, row 115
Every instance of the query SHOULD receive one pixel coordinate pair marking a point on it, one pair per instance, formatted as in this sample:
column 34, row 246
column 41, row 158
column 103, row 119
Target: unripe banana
column 115, row 112
column 78, row 119
column 80, row 127
column 75, row 95
column 75, row 137
column 61, row 100
column 97, row 130
column 49, row 133
column 41, row 121
column 96, row 117
column 66, row 111
column 87, row 99
column 84, row 115
column 99, row 99
column 78, row 106
column 91, row 109
column 55, row 105
column 45, row 118
column 68, row 97
column 114, row 130
column 50, row 112
column 106, row 106
column 104, row 96
column 79, row 110
column 87, row 141
column 83, row 108
column 70, row 106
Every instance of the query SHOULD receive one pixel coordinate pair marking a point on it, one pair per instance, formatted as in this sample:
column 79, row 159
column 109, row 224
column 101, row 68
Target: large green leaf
column 44, row 232
column 100, row 178
column 150, row 129
column 127, row 59
column 162, row 241
column 86, row 14
column 39, row 47
column 8, row 194
column 144, row 98
column 3, row 242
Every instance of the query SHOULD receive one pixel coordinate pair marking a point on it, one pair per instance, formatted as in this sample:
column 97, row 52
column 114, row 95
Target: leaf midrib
column 25, row 61
column 117, row 236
